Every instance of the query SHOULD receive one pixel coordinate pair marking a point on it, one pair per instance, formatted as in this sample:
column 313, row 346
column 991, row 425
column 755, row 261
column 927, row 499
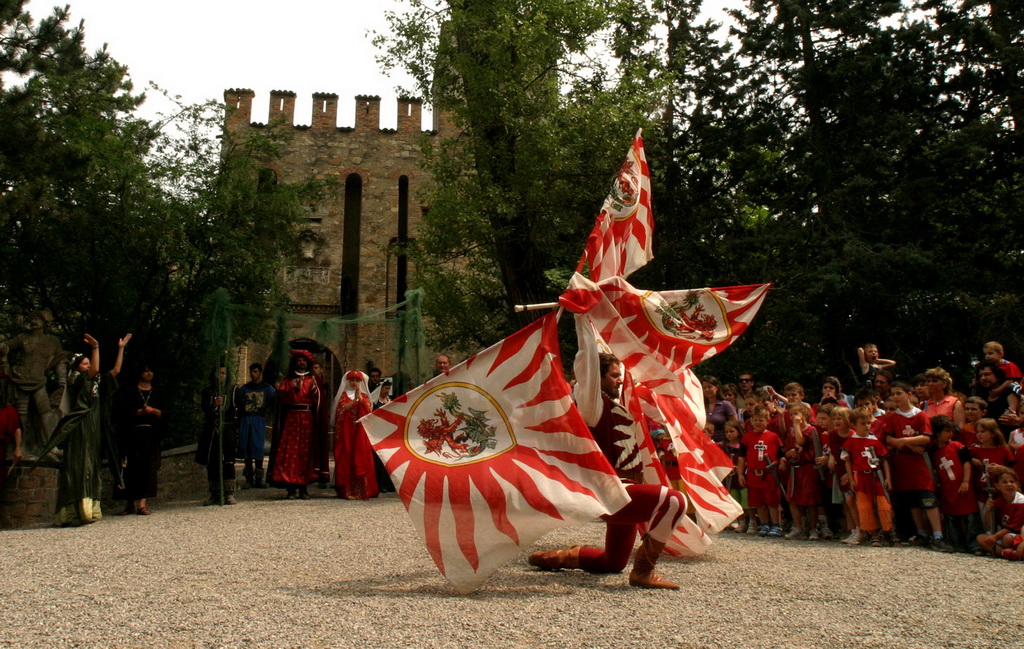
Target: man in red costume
column 657, row 506
column 300, row 422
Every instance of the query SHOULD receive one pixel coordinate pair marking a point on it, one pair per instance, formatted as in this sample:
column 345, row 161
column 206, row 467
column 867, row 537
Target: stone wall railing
column 29, row 497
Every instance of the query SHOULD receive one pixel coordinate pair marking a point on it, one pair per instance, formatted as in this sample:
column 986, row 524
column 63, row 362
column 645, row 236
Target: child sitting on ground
column 1004, row 510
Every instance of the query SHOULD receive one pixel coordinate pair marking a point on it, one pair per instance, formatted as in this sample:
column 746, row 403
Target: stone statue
column 31, row 355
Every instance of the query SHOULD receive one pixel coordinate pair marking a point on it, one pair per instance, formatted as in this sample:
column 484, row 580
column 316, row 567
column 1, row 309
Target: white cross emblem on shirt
column 947, row 464
column 761, row 447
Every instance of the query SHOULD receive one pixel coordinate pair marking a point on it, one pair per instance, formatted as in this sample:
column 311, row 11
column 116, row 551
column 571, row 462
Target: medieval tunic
column 654, row 505
column 139, row 437
column 354, row 473
column 219, row 463
column 292, row 461
column 251, row 402
column 83, row 433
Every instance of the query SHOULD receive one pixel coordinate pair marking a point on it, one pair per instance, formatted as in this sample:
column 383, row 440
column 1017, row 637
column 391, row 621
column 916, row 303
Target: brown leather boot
column 556, row 559
column 643, row 575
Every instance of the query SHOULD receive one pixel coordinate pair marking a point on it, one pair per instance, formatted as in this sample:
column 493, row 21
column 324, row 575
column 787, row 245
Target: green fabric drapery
column 407, row 317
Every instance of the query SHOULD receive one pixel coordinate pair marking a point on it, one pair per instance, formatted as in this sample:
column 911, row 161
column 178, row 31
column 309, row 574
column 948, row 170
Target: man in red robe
column 301, row 405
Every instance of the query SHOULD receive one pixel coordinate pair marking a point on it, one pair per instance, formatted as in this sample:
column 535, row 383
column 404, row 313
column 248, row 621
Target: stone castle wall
column 381, row 161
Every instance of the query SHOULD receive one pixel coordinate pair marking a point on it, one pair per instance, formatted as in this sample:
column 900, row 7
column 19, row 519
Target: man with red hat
column 299, row 422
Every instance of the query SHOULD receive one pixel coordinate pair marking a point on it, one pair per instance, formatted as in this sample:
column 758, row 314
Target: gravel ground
column 331, row 573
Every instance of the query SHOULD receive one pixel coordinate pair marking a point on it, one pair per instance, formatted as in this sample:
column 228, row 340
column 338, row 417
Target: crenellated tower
column 350, row 248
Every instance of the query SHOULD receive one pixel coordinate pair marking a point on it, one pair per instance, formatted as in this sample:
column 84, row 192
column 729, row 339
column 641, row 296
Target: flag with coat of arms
column 622, row 238
column 492, row 454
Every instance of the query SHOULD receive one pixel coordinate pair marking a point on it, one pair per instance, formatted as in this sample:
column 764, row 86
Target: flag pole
column 535, row 307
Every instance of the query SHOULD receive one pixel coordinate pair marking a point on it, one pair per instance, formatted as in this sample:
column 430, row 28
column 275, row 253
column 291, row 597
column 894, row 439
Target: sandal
column 143, row 512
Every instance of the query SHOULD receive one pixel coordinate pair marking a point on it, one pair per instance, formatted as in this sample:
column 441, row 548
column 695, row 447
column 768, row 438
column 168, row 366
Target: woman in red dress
column 354, row 475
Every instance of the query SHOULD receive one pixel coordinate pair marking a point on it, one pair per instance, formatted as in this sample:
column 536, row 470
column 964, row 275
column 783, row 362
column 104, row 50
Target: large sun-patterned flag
column 673, row 398
column 621, row 240
column 492, row 455
column 688, row 326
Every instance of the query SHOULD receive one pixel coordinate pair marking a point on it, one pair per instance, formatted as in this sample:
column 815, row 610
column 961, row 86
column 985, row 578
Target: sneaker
column 887, row 539
column 918, row 541
column 942, row 545
column 825, row 532
column 752, row 529
column 763, row 530
column 876, row 540
column 796, row 534
column 814, row 536
column 775, row 532
column 860, row 538
column 849, row 539
column 741, row 527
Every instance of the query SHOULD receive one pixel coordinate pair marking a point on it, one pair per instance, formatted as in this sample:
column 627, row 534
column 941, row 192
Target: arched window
column 350, row 245
column 401, row 275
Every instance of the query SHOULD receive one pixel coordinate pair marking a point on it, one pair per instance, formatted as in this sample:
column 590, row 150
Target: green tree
column 117, row 224
column 869, row 168
column 541, row 124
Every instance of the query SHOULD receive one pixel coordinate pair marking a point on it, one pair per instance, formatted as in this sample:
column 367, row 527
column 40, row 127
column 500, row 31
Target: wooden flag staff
column 535, row 307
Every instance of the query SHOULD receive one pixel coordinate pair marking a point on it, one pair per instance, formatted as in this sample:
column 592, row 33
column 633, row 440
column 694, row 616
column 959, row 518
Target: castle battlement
column 325, row 112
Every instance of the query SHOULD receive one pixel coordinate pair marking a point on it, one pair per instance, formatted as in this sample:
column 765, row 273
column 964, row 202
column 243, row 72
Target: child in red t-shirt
column 864, row 455
column 1006, row 509
column 756, row 470
column 990, row 449
column 907, row 431
column 842, row 490
column 952, row 462
column 994, row 354
column 805, row 480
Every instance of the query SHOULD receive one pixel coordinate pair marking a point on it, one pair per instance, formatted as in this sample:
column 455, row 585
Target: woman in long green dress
column 83, row 433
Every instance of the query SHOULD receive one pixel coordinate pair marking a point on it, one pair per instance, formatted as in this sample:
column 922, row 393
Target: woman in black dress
column 142, row 416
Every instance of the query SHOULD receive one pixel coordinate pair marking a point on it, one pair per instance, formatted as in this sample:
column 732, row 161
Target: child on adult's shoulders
column 993, row 351
column 871, row 363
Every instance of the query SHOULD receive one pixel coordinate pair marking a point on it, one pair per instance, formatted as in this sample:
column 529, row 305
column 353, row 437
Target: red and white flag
column 688, row 326
column 621, row 240
column 492, row 455
column 671, row 397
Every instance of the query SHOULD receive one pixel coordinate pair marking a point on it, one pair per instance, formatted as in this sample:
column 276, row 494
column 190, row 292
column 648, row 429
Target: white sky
column 199, row 48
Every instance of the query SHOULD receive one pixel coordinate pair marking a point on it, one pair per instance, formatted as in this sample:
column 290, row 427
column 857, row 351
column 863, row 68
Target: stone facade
column 349, row 260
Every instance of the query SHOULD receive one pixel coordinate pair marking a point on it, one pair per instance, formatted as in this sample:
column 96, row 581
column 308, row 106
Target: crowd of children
column 899, row 463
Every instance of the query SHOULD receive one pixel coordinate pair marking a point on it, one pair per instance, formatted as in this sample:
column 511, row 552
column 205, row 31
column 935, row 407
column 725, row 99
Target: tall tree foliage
column 116, row 224
column 870, row 167
column 540, row 126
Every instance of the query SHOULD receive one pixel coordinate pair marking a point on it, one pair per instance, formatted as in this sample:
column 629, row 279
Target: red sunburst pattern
column 508, row 459
column 687, row 326
column 621, row 240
